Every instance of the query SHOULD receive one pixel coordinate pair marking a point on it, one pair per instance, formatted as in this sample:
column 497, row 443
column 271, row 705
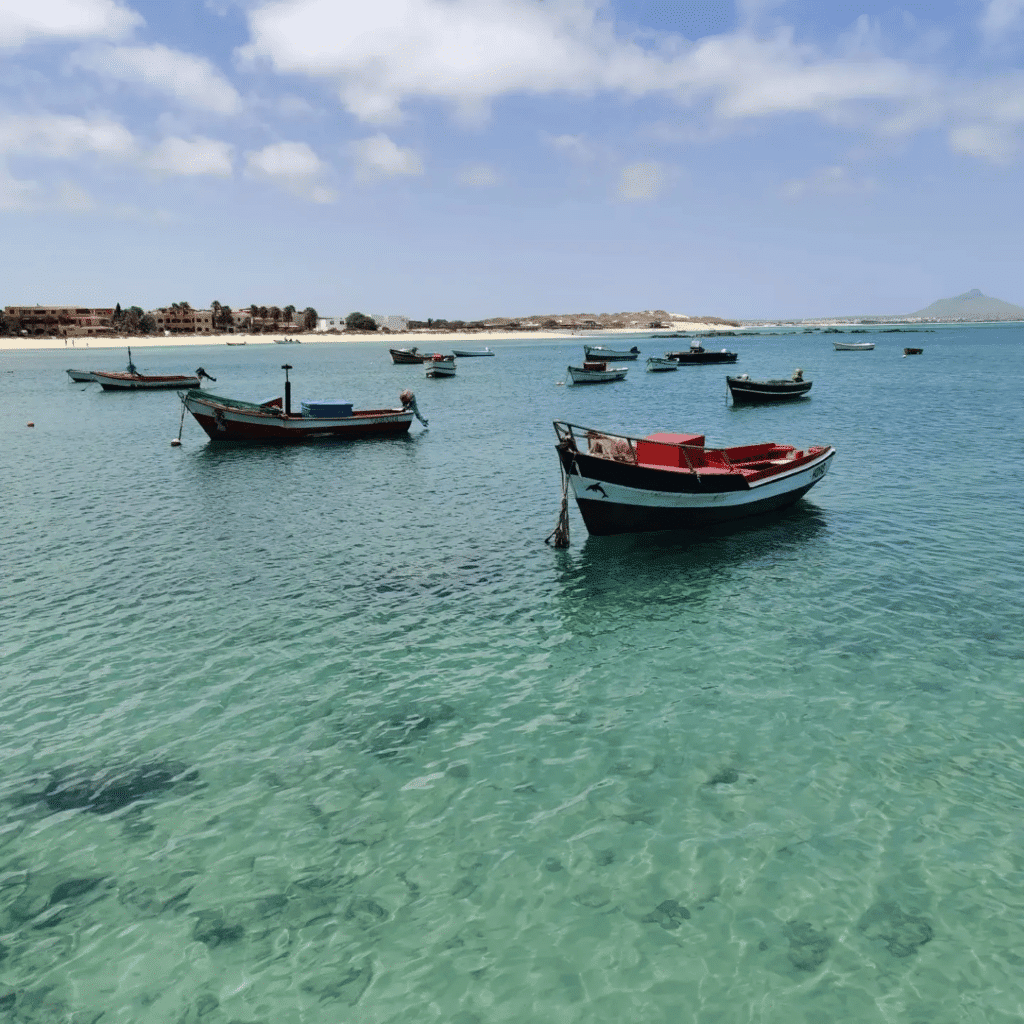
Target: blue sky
column 475, row 158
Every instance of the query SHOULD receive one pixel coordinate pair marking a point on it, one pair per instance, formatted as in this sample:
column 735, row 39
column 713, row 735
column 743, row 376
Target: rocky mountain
column 971, row 305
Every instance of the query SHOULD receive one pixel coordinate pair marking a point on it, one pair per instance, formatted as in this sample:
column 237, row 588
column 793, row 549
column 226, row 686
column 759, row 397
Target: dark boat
column 407, row 355
column 131, row 380
column 906, row 352
column 696, row 354
column 597, row 352
column 628, row 484
column 228, row 419
column 743, row 389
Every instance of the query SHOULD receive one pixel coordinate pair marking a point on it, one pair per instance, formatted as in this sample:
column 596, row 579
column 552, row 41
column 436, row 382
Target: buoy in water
column 176, row 442
column 29, row 424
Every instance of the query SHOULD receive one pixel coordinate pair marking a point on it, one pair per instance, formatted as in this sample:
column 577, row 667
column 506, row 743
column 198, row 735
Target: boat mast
column 287, row 390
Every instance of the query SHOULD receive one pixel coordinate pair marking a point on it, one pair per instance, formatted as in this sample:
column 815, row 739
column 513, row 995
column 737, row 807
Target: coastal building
column 183, row 320
column 59, row 321
column 330, row 323
column 391, row 321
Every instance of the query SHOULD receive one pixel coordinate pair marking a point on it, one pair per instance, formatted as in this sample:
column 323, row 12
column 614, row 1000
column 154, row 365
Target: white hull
column 657, row 364
column 581, row 376
column 600, row 352
column 141, row 382
column 81, row 376
column 440, row 367
column 853, row 346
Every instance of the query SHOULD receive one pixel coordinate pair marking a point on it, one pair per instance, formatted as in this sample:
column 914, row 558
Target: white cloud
column 830, row 181
column 1000, row 17
column 192, row 81
column 478, row 176
column 575, row 146
column 641, row 181
column 379, row 157
column 294, row 167
column 74, row 199
column 63, row 136
column 176, row 156
column 17, row 194
column 994, row 143
column 24, row 20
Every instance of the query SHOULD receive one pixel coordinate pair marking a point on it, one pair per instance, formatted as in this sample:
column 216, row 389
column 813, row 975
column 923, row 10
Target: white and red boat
column 594, row 371
column 628, row 484
column 439, row 365
column 228, row 419
column 112, row 381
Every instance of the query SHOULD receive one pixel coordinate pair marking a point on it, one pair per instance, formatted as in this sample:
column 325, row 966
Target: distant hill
column 971, row 305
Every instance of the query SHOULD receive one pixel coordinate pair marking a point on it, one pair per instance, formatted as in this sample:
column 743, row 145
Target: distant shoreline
column 424, row 340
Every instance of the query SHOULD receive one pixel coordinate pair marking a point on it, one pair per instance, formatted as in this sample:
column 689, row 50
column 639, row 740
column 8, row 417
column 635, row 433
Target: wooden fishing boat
column 601, row 352
column 439, row 365
column 274, row 422
column 466, row 353
column 596, row 372
column 656, row 364
column 745, row 390
column 234, row 343
column 906, row 352
column 853, row 346
column 81, row 376
column 697, row 355
column 407, row 355
column 144, row 382
column 626, row 484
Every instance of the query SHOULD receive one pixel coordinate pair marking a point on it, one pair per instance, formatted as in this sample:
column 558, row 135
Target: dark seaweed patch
column 390, row 736
column 903, row 934
column 808, row 949
column 72, row 889
column 109, row 789
column 211, row 929
column 725, row 777
column 669, row 914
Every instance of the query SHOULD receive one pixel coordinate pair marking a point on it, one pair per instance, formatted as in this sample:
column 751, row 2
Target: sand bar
column 425, row 341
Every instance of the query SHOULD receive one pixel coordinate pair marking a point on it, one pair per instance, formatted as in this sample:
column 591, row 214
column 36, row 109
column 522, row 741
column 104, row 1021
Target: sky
column 464, row 159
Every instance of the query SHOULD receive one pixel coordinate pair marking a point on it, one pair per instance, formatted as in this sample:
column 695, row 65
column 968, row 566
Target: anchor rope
column 559, row 536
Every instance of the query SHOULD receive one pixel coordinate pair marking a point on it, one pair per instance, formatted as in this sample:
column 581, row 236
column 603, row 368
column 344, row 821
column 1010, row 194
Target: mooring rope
column 182, row 423
column 559, row 536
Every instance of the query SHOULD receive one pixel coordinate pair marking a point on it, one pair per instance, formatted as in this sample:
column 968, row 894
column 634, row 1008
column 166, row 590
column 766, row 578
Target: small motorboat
column 853, row 346
column 234, row 343
column 697, row 355
column 596, row 372
column 439, row 365
column 745, row 390
column 657, row 364
column 231, row 420
column 407, row 355
column 467, row 353
column 287, row 341
column 674, row 482
column 601, row 352
column 906, row 352
column 81, row 376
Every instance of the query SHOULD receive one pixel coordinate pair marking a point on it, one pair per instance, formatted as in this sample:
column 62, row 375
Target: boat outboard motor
column 409, row 402
column 201, row 373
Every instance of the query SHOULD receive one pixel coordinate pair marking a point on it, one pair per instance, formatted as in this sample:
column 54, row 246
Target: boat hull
column 598, row 352
column 581, row 375
column 226, row 423
column 407, row 356
column 756, row 392
column 468, row 353
column 853, row 346
column 142, row 382
column 81, row 376
column 699, row 357
column 439, row 367
column 658, row 365
column 906, row 352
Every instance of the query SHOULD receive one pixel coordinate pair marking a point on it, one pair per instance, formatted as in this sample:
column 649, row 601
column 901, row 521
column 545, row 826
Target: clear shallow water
column 399, row 761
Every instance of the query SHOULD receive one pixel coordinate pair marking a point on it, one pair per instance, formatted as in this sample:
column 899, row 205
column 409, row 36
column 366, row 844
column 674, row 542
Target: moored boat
column 853, row 346
column 81, row 376
column 697, row 355
column 274, row 422
column 626, row 484
column 466, row 353
column 657, row 364
column 440, row 365
column 596, row 372
column 906, row 352
column 743, row 389
column 601, row 352
column 407, row 355
column 287, row 341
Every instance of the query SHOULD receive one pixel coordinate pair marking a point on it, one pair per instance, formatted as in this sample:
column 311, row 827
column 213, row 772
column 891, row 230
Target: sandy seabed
column 424, row 340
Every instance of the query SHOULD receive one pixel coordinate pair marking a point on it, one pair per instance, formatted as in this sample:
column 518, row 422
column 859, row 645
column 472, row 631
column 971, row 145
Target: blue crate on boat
column 324, row 410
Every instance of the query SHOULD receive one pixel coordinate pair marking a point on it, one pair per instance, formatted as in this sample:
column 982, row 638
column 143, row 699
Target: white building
column 392, row 321
column 330, row 323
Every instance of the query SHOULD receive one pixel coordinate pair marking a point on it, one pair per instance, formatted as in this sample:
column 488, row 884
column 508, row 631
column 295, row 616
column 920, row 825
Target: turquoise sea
column 328, row 734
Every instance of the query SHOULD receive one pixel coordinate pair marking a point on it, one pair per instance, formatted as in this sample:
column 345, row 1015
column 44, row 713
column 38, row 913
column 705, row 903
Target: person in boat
column 798, row 375
column 695, row 345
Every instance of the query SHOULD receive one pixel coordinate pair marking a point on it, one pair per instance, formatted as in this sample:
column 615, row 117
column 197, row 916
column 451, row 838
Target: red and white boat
column 131, row 380
column 228, row 419
column 439, row 365
column 628, row 484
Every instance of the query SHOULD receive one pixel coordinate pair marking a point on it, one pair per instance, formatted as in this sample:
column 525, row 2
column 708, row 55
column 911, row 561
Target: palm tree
column 309, row 318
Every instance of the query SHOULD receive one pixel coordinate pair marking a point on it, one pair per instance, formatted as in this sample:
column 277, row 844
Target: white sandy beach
column 423, row 340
